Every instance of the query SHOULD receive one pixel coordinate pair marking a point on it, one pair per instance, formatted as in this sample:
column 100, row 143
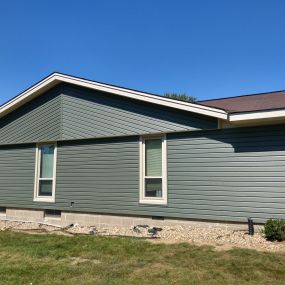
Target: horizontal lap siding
column 98, row 175
column 17, row 174
column 101, row 175
column 211, row 175
column 17, row 171
column 67, row 112
column 228, row 174
column 93, row 114
column 38, row 120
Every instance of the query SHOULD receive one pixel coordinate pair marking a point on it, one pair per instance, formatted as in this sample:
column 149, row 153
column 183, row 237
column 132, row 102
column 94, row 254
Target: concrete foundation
column 24, row 214
column 100, row 220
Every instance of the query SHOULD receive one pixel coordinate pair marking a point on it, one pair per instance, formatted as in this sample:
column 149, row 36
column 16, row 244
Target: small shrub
column 275, row 230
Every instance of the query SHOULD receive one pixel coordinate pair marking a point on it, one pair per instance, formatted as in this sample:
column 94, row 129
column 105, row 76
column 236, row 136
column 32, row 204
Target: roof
column 249, row 103
column 264, row 106
column 57, row 78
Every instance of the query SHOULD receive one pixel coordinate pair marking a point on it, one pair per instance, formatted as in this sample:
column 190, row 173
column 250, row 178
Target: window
column 45, row 172
column 153, row 170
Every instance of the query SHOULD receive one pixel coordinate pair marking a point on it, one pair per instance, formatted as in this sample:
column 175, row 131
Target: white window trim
column 153, row 200
column 38, row 198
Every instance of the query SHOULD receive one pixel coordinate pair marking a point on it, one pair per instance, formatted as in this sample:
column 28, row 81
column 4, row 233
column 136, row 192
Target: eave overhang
column 57, row 78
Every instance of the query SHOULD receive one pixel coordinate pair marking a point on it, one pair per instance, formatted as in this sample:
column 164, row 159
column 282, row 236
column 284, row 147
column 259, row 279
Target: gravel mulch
column 219, row 238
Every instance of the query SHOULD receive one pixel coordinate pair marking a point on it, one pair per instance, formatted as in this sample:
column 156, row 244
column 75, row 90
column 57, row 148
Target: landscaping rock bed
column 219, row 237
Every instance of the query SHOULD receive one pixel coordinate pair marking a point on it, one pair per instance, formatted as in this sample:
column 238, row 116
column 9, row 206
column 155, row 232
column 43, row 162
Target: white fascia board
column 56, row 78
column 257, row 115
column 28, row 95
column 200, row 109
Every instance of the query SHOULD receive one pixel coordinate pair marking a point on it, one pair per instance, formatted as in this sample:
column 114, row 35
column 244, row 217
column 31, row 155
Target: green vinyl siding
column 106, row 174
column 38, row 120
column 214, row 175
column 229, row 174
column 93, row 114
column 17, row 173
column 67, row 112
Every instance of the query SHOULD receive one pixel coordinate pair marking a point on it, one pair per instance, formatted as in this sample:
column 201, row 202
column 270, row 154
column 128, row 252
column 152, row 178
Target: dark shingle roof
column 249, row 103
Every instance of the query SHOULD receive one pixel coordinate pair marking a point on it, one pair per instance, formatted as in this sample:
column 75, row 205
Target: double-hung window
column 45, row 172
column 153, row 182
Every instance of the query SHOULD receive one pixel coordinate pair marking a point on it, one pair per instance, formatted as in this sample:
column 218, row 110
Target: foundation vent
column 52, row 213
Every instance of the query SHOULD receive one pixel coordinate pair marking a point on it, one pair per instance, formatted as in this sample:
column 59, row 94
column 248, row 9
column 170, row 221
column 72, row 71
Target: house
column 76, row 150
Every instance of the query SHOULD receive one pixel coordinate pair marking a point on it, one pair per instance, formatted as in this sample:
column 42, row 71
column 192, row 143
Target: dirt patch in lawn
column 80, row 260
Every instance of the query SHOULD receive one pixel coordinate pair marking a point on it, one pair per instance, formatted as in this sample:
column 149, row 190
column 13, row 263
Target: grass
column 53, row 259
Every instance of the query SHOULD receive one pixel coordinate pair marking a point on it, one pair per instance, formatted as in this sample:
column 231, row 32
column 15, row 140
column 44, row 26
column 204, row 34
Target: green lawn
column 54, row 259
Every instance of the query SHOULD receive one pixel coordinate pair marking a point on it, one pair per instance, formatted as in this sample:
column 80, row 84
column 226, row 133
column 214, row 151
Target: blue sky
column 206, row 49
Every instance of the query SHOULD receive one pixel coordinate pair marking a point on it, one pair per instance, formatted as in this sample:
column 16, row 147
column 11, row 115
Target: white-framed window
column 45, row 172
column 153, row 170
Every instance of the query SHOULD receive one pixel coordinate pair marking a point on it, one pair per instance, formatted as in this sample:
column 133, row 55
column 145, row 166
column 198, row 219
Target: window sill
column 153, row 202
column 44, row 199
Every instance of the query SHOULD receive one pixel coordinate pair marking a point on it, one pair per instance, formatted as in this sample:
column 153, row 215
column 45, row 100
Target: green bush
column 275, row 230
